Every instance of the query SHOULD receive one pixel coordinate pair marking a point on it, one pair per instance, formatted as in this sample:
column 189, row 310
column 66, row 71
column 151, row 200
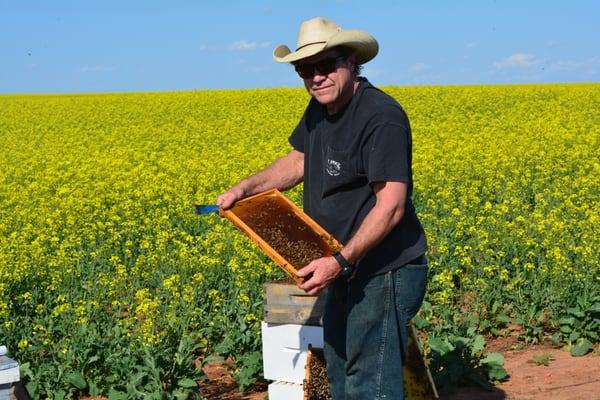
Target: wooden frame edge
column 273, row 255
column 307, row 372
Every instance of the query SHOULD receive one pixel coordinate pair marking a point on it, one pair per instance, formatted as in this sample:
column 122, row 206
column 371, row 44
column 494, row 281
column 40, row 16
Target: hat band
column 308, row 44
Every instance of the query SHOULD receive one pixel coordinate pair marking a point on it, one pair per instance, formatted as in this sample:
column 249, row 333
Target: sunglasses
column 325, row 67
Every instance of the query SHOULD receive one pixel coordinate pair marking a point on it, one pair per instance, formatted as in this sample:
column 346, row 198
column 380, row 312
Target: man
column 352, row 148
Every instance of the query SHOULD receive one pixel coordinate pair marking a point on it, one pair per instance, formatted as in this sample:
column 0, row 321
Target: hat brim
column 365, row 45
column 283, row 54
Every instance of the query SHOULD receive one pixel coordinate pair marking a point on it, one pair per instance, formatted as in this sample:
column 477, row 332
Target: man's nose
column 318, row 76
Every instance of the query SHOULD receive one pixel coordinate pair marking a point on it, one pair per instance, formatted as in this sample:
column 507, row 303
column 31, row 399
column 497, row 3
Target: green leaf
column 225, row 347
column 556, row 338
column 478, row 345
column 136, row 380
column 32, row 389
column 582, row 347
column 566, row 329
column 149, row 361
column 92, row 359
column 504, row 318
column 439, row 345
column 543, row 359
column 495, row 306
column 575, row 311
column 76, row 379
column 154, row 396
column 420, row 322
column 472, row 329
column 250, row 370
column 570, row 321
column 94, row 390
column 496, row 372
column 573, row 336
column 187, row 383
column 493, row 359
column 461, row 342
column 26, row 370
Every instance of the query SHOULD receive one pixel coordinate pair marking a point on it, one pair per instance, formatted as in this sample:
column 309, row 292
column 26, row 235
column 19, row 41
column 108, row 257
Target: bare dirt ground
column 221, row 386
column 565, row 377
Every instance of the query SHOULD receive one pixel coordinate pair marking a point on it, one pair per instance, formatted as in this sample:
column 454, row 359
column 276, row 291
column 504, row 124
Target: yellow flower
column 26, row 297
column 23, row 343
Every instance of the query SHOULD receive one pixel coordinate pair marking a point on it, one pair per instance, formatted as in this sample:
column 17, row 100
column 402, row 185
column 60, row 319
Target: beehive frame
column 233, row 215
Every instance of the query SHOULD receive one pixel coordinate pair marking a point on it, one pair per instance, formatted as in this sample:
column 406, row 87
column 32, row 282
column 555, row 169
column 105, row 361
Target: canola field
column 110, row 285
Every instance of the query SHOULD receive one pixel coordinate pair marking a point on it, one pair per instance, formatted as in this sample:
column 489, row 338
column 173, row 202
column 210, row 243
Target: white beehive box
column 286, row 391
column 9, row 374
column 285, row 349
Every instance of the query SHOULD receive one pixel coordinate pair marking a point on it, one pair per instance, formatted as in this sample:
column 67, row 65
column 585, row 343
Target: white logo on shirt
column 334, row 168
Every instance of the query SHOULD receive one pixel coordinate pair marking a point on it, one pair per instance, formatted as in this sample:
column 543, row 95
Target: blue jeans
column 366, row 332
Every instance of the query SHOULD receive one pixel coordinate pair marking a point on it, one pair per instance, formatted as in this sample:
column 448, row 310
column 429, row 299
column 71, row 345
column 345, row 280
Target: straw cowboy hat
column 319, row 34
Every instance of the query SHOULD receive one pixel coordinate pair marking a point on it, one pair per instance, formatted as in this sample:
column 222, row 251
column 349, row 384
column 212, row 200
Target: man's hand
column 322, row 272
column 227, row 199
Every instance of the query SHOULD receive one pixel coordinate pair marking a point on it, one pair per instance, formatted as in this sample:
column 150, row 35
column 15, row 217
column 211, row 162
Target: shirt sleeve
column 387, row 154
column 296, row 139
column 298, row 136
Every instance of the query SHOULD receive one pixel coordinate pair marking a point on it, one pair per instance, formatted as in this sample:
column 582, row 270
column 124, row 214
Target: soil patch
column 220, row 385
column 565, row 378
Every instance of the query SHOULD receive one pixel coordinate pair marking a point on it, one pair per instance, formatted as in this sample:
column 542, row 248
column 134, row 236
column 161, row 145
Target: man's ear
column 352, row 59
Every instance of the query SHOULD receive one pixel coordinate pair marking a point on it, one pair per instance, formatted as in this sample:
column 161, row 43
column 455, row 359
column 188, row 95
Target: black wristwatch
column 347, row 267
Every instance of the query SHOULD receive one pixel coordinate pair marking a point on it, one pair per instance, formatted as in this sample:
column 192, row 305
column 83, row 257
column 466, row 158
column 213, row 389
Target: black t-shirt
column 367, row 141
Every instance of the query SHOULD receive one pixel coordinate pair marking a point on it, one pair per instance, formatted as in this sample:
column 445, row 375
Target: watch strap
column 347, row 267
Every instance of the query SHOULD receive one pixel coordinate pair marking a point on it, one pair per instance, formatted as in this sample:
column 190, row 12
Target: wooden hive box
column 285, row 303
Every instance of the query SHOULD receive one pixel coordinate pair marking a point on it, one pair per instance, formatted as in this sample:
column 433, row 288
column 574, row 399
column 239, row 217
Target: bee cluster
column 316, row 386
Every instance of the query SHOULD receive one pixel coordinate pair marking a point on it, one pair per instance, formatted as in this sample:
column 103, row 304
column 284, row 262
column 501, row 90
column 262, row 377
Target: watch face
column 346, row 271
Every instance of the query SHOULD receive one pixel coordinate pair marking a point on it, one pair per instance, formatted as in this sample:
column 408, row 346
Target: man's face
column 332, row 88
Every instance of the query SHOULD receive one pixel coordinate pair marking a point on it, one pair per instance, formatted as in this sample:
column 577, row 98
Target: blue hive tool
column 206, row 209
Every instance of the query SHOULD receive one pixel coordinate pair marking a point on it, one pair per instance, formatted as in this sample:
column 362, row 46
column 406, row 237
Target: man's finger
column 309, row 269
column 315, row 291
column 309, row 284
column 308, row 288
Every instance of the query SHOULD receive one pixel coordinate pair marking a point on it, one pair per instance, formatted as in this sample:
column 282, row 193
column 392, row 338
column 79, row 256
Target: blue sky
column 124, row 46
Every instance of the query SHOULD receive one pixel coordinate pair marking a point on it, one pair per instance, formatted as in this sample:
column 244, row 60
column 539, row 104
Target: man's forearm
column 377, row 224
column 387, row 212
column 282, row 174
column 278, row 175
